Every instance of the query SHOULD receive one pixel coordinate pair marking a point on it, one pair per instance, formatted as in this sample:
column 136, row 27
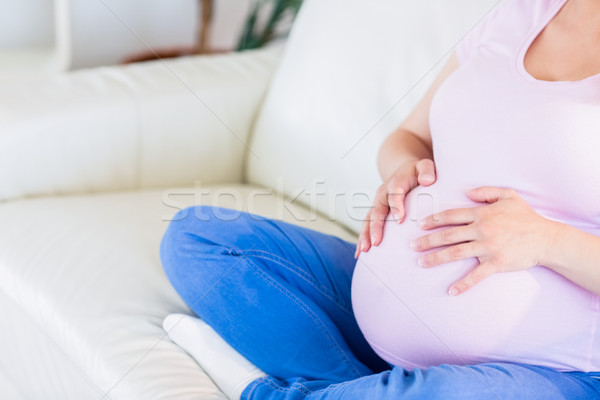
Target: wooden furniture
column 206, row 8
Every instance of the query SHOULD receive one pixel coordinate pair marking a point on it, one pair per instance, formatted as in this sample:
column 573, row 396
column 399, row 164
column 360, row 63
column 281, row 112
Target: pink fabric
column 494, row 124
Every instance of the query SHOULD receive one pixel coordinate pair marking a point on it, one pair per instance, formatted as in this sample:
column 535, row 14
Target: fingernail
column 428, row 177
column 422, row 222
column 453, row 291
column 421, row 262
column 413, row 245
column 373, row 240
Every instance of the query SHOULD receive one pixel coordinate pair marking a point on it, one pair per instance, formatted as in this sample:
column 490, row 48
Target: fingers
column 396, row 205
column 478, row 274
column 397, row 194
column 363, row 243
column 372, row 231
column 454, row 216
column 426, row 172
column 449, row 254
column 390, row 199
column 489, row 194
column 444, row 237
column 379, row 213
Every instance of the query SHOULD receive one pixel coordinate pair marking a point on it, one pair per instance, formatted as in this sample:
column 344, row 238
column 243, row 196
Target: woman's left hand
column 505, row 235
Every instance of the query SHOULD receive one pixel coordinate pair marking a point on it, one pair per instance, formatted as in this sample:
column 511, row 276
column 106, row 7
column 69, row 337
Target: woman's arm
column 405, row 160
column 575, row 254
column 412, row 140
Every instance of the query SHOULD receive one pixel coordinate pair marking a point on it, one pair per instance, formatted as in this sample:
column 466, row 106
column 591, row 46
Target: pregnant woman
column 478, row 272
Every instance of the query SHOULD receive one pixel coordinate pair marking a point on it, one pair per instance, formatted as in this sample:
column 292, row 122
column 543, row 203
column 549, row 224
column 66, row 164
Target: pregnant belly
column 534, row 316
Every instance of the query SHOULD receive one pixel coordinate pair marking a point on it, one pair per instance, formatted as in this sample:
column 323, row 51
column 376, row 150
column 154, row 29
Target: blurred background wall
column 104, row 32
column 26, row 23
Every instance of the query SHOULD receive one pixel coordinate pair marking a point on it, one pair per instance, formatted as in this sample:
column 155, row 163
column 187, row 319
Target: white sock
column 230, row 371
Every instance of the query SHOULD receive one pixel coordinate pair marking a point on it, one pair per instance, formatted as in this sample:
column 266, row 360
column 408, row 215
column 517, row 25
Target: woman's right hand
column 390, row 198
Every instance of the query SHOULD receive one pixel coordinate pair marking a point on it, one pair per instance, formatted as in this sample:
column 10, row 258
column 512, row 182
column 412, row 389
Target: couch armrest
column 128, row 127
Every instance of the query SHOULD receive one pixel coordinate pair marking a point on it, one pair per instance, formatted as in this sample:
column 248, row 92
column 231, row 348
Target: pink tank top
column 494, row 124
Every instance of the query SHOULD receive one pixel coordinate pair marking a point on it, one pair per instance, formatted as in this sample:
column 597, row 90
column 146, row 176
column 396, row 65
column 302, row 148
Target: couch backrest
column 351, row 71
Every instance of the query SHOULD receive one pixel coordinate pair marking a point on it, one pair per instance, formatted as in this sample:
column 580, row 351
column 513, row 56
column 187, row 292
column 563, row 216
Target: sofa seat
column 81, row 280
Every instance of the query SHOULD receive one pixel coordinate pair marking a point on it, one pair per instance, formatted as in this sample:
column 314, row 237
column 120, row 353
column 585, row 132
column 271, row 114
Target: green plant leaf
column 253, row 37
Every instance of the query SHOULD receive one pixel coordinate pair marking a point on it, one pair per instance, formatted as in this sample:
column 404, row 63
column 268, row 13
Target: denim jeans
column 280, row 295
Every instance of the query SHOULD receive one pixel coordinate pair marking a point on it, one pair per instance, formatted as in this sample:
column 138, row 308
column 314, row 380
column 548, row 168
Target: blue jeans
column 280, row 295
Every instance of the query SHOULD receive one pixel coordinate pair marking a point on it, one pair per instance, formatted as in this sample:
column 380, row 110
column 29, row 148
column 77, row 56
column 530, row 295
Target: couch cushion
column 131, row 127
column 30, row 355
column 351, row 72
column 86, row 270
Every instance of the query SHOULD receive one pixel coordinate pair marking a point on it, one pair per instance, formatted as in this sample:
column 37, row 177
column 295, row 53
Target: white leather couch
column 93, row 165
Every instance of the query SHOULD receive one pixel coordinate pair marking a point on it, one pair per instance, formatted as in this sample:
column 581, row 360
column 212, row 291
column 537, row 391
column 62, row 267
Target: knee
column 180, row 226
column 200, row 222
column 195, row 236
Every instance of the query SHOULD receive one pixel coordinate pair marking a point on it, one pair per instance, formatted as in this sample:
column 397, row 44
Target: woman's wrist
column 564, row 246
column 550, row 254
column 399, row 149
column 574, row 254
